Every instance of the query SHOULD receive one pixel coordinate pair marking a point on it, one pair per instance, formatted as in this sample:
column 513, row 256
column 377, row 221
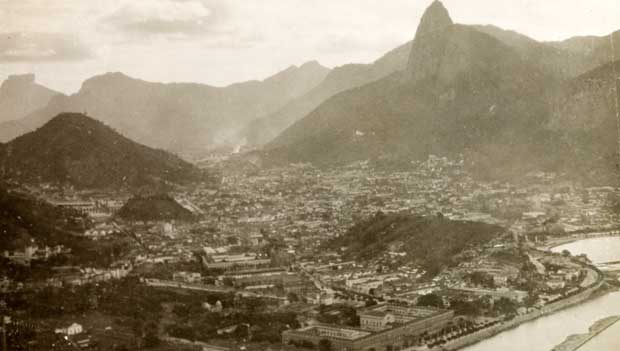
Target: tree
column 370, row 302
column 253, row 304
column 465, row 308
column 482, row 279
column 430, row 300
column 181, row 310
column 181, row 331
column 151, row 340
column 325, row 345
column 292, row 297
column 505, row 306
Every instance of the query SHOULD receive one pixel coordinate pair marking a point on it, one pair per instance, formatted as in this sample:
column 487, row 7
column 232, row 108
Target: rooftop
column 404, row 312
column 334, row 332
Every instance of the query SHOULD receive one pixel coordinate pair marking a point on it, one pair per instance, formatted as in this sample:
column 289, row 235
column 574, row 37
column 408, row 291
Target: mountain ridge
column 204, row 116
column 399, row 96
column 340, row 79
column 561, row 62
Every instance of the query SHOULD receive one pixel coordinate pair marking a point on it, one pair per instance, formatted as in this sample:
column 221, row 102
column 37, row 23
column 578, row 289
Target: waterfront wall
column 547, row 309
column 575, row 342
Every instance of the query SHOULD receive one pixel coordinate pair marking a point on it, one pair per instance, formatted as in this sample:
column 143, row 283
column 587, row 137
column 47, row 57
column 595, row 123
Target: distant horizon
column 219, row 43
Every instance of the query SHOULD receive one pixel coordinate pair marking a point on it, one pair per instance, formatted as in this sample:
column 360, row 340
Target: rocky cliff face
column 434, row 19
column 588, row 102
column 21, row 95
column 431, row 40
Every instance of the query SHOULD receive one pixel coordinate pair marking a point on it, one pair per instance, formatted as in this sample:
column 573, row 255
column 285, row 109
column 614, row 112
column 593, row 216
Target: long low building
column 235, row 262
column 289, row 281
column 384, row 316
column 383, row 327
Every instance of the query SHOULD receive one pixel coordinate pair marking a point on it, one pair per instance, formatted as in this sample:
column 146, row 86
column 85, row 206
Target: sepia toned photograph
column 309, row 175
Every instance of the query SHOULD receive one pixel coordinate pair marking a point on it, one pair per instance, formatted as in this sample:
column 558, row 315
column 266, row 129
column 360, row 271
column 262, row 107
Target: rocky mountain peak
column 436, row 17
column 19, row 80
column 21, row 95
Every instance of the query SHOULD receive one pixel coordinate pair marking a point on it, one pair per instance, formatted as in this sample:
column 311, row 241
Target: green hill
column 78, row 150
column 154, row 208
column 23, row 218
column 432, row 242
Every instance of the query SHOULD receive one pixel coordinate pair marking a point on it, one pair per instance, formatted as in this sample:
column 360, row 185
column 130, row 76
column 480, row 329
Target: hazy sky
column 223, row 41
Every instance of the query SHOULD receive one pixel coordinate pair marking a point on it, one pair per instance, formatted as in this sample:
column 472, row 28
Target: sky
column 219, row 42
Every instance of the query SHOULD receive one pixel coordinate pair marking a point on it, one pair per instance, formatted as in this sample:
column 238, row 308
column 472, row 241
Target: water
column 546, row 332
column 599, row 250
column 607, row 340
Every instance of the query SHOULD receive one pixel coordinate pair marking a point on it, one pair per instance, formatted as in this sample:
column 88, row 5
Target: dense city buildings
column 268, row 235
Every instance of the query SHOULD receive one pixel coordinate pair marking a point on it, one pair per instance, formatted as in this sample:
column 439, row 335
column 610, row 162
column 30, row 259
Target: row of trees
column 471, row 307
column 242, row 318
column 131, row 304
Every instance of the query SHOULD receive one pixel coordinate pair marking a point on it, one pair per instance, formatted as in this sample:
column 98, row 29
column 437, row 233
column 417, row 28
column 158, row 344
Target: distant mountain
column 78, row 150
column 154, row 208
column 461, row 89
column 339, row 79
column 21, row 95
column 588, row 101
column 586, row 114
column 598, row 50
column 554, row 57
column 177, row 115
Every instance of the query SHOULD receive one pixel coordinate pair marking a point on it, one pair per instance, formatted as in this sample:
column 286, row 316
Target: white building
column 73, row 329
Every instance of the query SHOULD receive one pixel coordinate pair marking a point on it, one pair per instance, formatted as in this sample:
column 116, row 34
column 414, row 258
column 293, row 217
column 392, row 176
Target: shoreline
column 596, row 290
column 574, row 342
column 562, row 243
column 489, row 333
column 571, row 239
column 587, row 294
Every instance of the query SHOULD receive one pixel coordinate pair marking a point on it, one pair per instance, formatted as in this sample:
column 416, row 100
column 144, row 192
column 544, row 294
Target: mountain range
column 78, row 150
column 507, row 102
column 496, row 96
column 340, row 79
column 175, row 116
column 564, row 59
